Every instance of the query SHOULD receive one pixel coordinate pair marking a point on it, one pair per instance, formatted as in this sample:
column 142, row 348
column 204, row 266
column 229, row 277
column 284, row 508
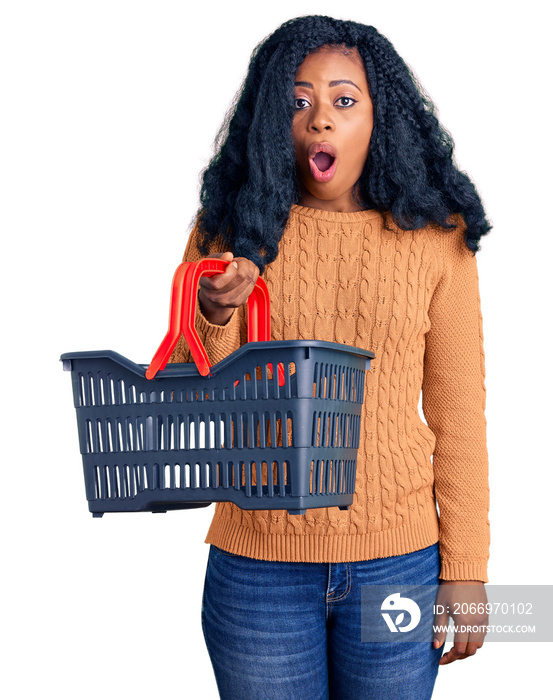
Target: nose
column 321, row 119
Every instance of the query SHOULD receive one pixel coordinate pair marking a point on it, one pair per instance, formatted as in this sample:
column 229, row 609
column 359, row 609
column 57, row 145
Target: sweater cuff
column 464, row 570
column 213, row 330
column 219, row 341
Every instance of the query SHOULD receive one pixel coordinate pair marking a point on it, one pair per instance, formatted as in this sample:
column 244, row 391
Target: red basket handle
column 183, row 313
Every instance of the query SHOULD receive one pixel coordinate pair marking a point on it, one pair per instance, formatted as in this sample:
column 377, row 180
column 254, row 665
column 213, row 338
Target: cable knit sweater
column 412, row 297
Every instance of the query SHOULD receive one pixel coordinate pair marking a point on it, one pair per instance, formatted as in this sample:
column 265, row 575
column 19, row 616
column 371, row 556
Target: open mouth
column 322, row 161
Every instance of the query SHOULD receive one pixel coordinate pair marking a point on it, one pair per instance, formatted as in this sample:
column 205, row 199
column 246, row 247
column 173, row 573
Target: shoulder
column 449, row 243
column 198, row 237
column 443, row 242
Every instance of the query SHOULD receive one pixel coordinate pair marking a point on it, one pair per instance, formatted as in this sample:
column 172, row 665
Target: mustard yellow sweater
column 412, row 297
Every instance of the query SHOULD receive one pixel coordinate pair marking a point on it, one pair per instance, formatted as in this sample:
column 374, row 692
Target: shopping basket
column 156, row 438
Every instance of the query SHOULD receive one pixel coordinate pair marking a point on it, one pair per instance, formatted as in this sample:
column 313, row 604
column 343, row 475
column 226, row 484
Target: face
column 332, row 128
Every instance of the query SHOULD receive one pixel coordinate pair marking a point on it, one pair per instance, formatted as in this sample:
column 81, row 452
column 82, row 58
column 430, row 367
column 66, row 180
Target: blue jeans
column 292, row 631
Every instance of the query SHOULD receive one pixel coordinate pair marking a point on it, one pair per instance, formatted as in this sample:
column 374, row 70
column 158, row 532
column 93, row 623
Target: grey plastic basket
column 183, row 440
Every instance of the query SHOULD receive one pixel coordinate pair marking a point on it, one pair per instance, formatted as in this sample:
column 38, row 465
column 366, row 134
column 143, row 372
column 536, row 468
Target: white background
column 109, row 112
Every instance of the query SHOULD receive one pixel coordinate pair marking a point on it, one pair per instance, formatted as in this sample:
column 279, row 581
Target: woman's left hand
column 466, row 603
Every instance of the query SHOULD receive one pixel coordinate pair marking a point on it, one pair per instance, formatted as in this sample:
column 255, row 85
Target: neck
column 344, row 203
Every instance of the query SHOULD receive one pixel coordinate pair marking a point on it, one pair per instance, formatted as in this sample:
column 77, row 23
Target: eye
column 350, row 104
column 302, row 100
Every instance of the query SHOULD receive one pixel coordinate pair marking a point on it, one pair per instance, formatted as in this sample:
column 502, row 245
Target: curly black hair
column 250, row 183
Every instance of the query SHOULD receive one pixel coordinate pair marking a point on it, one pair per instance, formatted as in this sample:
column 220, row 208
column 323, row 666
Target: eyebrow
column 333, row 83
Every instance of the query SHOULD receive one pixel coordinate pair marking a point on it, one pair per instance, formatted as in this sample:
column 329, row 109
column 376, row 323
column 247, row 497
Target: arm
column 219, row 340
column 454, row 397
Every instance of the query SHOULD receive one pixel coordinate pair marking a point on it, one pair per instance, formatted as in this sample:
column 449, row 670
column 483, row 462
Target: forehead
column 329, row 63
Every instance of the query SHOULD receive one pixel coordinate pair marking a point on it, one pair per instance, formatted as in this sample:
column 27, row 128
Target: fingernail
column 235, row 264
column 436, row 643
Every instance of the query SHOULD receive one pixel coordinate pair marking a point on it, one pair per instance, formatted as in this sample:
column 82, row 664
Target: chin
column 325, row 194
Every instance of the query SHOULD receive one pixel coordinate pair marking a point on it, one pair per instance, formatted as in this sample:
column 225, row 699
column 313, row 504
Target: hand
column 466, row 602
column 221, row 293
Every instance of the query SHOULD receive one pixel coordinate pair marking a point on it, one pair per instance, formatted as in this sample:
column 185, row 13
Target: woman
column 334, row 180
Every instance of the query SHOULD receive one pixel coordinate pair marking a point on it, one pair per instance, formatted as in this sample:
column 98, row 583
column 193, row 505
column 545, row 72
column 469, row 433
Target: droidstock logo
column 396, row 603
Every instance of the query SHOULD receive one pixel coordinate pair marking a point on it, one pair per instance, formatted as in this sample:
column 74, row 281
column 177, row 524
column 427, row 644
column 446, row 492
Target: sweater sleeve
column 454, row 400
column 219, row 341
